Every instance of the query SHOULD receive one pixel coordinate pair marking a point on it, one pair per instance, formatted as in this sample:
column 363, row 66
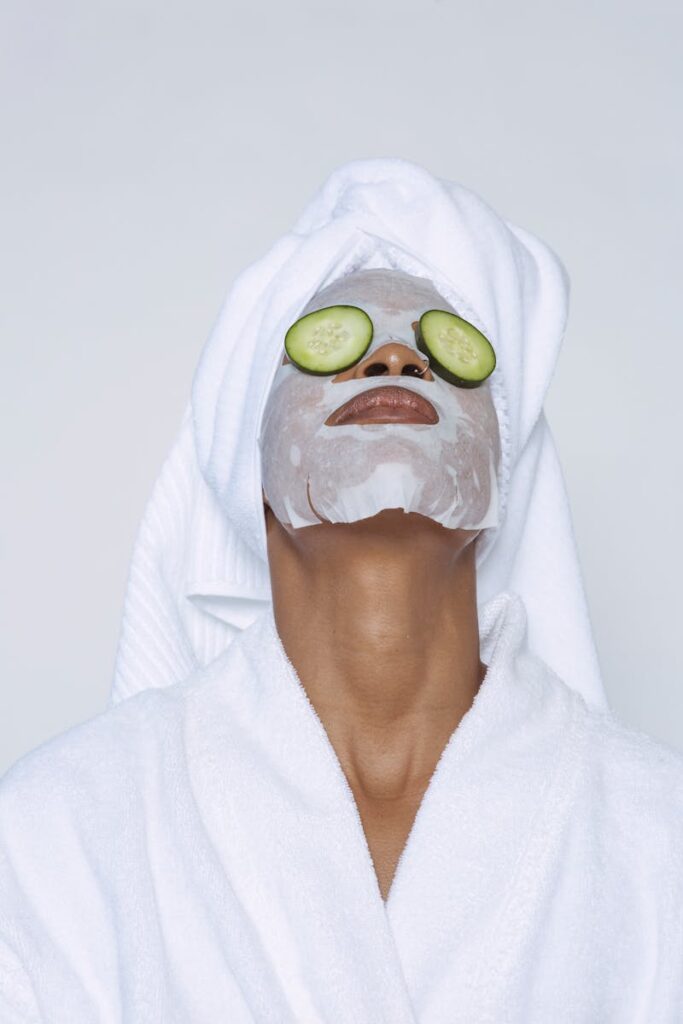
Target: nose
column 393, row 359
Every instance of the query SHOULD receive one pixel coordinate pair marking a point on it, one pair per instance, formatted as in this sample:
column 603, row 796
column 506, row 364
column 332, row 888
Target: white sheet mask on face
column 446, row 471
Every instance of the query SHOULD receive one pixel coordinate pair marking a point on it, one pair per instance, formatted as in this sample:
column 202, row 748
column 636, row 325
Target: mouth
column 386, row 404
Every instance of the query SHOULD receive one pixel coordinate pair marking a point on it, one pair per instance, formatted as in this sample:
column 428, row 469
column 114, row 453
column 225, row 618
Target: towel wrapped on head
column 199, row 571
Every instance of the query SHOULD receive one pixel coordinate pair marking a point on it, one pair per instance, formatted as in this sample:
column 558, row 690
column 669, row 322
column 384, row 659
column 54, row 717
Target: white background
column 150, row 151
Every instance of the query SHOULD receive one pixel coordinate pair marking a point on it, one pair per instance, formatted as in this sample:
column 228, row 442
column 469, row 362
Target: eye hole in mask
column 332, row 339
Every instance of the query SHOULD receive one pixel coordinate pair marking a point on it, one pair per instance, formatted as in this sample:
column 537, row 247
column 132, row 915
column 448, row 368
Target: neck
column 379, row 620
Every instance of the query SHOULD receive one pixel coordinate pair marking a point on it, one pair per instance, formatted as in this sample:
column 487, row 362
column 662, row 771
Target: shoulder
column 112, row 754
column 98, row 759
column 72, row 809
column 636, row 781
column 115, row 753
column 629, row 755
column 621, row 764
column 82, row 749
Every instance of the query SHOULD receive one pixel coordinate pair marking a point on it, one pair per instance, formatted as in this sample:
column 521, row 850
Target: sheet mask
column 446, row 471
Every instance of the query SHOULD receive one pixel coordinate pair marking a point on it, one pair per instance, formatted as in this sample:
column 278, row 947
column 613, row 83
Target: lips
column 386, row 404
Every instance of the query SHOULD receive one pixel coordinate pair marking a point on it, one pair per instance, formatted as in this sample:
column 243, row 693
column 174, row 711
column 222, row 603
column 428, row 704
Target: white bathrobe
column 194, row 855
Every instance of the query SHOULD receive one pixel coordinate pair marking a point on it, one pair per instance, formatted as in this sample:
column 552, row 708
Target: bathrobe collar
column 283, row 820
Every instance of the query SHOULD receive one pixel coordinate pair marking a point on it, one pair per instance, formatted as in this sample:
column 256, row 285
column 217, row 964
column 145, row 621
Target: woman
column 393, row 586
column 358, row 764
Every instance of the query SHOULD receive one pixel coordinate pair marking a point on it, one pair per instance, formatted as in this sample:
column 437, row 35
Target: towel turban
column 199, row 570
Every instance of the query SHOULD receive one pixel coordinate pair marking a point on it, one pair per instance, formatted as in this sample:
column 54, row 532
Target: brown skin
column 389, row 655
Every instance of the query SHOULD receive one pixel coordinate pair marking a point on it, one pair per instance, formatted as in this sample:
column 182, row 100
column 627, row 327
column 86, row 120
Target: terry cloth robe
column 194, row 855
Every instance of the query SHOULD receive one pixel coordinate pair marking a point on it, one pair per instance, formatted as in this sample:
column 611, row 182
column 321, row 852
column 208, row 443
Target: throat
column 390, row 777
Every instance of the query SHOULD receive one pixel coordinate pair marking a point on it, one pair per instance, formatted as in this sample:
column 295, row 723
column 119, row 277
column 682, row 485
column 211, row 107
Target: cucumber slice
column 329, row 340
column 457, row 351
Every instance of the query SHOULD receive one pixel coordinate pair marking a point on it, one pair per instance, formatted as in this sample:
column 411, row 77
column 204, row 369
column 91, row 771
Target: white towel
column 194, row 855
column 199, row 571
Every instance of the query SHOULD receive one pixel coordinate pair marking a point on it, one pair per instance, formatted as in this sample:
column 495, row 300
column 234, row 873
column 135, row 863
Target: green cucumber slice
column 329, row 340
column 457, row 351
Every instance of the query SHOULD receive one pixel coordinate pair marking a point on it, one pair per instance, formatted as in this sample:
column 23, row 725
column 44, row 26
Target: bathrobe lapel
column 473, row 868
column 282, row 819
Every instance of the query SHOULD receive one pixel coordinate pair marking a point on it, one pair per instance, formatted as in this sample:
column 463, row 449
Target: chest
column 387, row 825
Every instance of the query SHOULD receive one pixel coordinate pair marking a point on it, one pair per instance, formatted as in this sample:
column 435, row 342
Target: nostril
column 411, row 370
column 375, row 369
